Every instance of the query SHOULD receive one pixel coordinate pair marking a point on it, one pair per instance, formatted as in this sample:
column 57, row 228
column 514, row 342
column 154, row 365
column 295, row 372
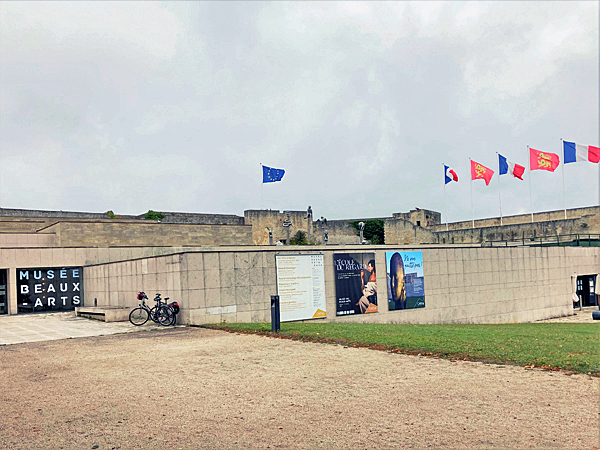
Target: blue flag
column 270, row 174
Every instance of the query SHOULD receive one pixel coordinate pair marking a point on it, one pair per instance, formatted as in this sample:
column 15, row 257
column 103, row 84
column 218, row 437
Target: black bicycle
column 173, row 306
column 160, row 313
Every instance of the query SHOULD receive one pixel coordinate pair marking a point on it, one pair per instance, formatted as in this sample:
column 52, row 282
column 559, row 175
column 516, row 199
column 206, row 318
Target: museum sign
column 49, row 289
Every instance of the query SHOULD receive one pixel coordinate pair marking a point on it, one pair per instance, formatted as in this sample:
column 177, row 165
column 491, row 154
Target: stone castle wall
column 75, row 229
column 260, row 219
column 119, row 234
column 548, row 216
column 200, row 219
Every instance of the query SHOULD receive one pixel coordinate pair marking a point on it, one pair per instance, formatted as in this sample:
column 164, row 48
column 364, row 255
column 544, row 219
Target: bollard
column 275, row 318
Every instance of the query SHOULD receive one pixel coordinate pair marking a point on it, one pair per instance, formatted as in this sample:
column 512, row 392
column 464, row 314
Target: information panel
column 301, row 286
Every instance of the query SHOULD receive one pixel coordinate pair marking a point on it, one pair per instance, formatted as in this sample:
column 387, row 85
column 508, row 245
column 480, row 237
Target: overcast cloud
column 173, row 106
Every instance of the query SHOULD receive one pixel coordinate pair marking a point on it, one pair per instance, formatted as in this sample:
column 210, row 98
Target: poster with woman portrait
column 406, row 289
column 355, row 283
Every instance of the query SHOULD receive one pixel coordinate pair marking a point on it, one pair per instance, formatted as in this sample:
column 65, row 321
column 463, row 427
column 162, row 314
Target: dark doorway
column 586, row 291
column 3, row 292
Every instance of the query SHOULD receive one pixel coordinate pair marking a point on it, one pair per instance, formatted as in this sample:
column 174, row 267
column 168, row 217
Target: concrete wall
column 462, row 285
column 109, row 234
column 21, row 257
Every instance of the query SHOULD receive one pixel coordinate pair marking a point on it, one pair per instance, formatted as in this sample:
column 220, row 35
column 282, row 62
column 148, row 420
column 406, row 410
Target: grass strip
column 551, row 346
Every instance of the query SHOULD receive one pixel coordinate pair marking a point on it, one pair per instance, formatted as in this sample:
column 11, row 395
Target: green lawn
column 572, row 347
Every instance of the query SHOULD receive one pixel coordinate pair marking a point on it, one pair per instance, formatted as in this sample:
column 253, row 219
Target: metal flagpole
column 530, row 198
column 262, row 202
column 445, row 206
column 499, row 196
column 472, row 209
column 563, row 176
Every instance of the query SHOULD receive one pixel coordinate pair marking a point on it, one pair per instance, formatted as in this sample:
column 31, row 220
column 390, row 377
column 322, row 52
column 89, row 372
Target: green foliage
column 299, row 238
column 373, row 232
column 153, row 215
column 110, row 214
column 567, row 346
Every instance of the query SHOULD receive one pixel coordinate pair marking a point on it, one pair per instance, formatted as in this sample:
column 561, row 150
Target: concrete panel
column 241, row 260
column 227, row 278
column 226, row 261
column 228, row 296
column 213, row 297
column 212, row 278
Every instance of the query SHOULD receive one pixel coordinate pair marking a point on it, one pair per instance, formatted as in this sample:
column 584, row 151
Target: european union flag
column 270, row 174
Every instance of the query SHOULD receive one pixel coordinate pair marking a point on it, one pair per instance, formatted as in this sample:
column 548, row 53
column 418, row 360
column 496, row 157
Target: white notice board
column 300, row 286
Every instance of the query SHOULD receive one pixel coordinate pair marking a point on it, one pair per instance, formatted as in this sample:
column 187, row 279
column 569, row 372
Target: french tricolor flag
column 449, row 174
column 576, row 152
column 505, row 166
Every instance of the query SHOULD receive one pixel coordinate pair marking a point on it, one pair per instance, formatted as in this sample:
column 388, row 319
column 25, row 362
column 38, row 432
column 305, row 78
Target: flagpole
column 472, row 209
column 530, row 198
column 563, row 177
column 445, row 206
column 262, row 202
column 499, row 196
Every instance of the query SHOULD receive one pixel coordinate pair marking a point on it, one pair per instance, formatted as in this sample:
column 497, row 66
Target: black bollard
column 275, row 320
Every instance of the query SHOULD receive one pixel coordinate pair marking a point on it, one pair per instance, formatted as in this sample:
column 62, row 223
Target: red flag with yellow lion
column 479, row 171
column 539, row 160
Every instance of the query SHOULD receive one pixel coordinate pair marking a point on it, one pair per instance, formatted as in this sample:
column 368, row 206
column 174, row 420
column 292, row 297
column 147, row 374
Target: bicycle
column 159, row 313
column 173, row 306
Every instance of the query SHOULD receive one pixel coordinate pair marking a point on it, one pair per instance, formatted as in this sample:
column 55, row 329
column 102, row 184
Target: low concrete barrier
column 105, row 313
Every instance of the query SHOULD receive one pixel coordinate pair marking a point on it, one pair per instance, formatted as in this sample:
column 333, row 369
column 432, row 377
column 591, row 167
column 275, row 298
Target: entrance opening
column 3, row 292
column 586, row 291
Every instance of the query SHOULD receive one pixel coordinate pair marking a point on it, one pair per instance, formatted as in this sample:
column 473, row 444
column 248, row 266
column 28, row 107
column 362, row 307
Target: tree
column 373, row 232
column 299, row 238
column 153, row 215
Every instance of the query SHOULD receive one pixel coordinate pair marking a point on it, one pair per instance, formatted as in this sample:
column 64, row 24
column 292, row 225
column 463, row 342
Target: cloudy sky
column 173, row 106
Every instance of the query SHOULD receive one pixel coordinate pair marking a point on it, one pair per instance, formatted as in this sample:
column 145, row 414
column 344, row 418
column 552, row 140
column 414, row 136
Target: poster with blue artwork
column 406, row 289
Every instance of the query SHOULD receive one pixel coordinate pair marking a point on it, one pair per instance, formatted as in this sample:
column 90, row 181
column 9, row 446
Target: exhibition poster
column 300, row 286
column 355, row 283
column 406, row 289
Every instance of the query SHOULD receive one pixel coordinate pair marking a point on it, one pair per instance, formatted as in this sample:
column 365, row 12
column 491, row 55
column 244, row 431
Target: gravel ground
column 191, row 388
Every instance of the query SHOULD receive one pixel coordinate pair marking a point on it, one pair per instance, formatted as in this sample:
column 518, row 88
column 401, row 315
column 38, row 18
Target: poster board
column 300, row 286
column 355, row 283
column 406, row 287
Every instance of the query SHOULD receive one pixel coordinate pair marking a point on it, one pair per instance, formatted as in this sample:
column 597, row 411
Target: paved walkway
column 63, row 325
column 579, row 316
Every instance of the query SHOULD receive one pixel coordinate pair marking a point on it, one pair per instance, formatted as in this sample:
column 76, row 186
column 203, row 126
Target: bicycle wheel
column 174, row 320
column 164, row 315
column 153, row 312
column 138, row 316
